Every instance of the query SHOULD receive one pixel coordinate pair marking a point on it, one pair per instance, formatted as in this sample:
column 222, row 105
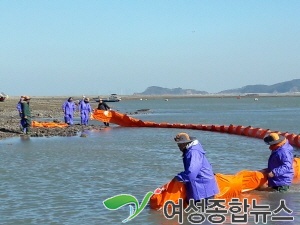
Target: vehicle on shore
column 111, row 98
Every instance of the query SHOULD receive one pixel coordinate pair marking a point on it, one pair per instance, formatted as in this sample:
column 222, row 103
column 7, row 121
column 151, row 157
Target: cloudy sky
column 101, row 47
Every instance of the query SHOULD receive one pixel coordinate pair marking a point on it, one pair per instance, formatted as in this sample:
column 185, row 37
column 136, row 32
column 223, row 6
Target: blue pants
column 84, row 118
column 26, row 124
column 69, row 119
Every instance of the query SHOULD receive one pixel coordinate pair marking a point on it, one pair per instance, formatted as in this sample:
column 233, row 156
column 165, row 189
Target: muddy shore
column 42, row 108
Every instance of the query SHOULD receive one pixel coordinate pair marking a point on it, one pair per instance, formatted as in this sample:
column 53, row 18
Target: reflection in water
column 24, row 138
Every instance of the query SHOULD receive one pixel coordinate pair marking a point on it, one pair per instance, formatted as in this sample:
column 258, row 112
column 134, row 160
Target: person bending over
column 280, row 170
column 198, row 174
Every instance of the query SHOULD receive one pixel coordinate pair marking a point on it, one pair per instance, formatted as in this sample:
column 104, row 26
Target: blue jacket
column 198, row 174
column 85, row 107
column 19, row 107
column 69, row 108
column 281, row 164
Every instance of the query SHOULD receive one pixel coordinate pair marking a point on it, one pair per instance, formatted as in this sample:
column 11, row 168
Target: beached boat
column 3, row 97
column 111, row 98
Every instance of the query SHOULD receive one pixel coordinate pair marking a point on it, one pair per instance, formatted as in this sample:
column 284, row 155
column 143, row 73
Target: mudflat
column 42, row 108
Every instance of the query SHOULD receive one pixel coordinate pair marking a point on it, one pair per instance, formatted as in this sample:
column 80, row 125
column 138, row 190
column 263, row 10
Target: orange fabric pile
column 174, row 190
column 231, row 186
column 48, row 124
column 116, row 118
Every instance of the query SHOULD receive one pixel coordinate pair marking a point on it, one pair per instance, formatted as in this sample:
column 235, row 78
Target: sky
column 74, row 47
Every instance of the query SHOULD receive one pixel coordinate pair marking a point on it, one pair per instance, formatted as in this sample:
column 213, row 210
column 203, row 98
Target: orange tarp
column 116, row 118
column 104, row 116
column 48, row 124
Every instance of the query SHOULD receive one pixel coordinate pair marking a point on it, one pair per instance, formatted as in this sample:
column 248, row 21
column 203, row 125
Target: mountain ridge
column 282, row 87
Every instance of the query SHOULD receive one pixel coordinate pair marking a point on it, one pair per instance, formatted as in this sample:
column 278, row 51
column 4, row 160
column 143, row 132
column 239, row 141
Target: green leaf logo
column 118, row 201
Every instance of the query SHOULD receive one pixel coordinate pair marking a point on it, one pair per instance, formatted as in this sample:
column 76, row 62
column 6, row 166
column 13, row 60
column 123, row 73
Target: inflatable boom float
column 231, row 186
column 249, row 131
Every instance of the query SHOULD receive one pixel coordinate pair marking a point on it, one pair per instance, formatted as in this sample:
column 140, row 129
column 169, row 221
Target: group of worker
column 69, row 107
column 199, row 178
column 84, row 107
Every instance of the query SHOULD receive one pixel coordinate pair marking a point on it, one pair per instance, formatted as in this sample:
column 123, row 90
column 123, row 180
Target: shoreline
column 49, row 108
column 208, row 96
column 42, row 108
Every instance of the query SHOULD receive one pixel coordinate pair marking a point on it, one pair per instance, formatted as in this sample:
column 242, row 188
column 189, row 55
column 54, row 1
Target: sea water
column 64, row 180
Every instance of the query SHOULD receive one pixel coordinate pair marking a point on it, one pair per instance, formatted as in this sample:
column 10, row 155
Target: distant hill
column 284, row 87
column 154, row 90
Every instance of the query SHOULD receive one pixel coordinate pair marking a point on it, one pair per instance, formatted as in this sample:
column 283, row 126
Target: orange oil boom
column 231, row 186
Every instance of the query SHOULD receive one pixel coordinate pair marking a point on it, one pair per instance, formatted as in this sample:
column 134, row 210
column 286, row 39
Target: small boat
column 3, row 97
column 111, row 98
